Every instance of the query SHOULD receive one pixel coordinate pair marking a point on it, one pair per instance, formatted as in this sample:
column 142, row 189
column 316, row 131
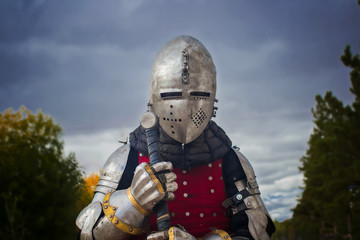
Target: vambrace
column 246, row 205
column 122, row 217
column 87, row 219
column 118, row 217
column 249, row 200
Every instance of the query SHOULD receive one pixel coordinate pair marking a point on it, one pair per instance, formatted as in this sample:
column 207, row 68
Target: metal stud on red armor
column 195, row 185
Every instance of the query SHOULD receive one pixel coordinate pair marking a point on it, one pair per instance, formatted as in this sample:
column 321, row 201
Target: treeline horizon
column 329, row 206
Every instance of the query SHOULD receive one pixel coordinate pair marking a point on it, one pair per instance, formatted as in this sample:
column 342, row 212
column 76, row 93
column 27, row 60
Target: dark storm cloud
column 308, row 40
column 78, row 29
column 67, row 64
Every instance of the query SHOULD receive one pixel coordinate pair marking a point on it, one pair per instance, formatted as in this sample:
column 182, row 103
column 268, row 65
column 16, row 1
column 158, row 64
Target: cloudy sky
column 88, row 63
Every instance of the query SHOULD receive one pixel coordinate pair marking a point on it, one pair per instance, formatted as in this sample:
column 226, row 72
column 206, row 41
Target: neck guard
column 211, row 145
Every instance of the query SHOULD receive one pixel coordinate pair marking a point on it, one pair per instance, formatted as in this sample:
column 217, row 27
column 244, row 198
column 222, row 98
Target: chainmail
column 210, row 146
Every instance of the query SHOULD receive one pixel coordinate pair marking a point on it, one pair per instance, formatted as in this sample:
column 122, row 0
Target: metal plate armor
column 112, row 171
column 256, row 211
column 183, row 88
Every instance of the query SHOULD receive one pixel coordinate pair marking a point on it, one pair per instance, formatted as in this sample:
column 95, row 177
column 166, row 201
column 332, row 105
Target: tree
column 91, row 182
column 353, row 62
column 87, row 192
column 284, row 230
column 331, row 166
column 39, row 185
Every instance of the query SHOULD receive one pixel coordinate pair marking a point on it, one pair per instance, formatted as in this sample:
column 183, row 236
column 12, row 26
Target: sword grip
column 151, row 138
column 161, row 209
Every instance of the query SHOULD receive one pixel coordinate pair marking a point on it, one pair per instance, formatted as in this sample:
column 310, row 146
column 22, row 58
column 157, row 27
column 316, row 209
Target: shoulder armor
column 113, row 170
column 87, row 219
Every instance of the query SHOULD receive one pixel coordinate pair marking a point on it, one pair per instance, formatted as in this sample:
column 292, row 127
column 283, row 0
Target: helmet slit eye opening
column 170, row 95
column 200, row 94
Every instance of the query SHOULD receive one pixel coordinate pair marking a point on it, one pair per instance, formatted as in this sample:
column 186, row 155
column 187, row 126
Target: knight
column 209, row 186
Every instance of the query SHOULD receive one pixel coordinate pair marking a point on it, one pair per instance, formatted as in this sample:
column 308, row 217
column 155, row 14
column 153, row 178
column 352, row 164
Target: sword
column 149, row 121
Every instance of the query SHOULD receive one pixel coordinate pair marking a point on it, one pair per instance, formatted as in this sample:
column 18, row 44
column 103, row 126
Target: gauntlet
column 150, row 185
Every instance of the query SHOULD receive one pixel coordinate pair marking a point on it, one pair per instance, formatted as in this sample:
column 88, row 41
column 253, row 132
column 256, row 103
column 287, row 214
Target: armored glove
column 150, row 184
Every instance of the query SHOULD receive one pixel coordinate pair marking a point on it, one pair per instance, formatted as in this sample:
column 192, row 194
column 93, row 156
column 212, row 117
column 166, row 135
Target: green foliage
column 39, row 186
column 330, row 203
column 284, row 230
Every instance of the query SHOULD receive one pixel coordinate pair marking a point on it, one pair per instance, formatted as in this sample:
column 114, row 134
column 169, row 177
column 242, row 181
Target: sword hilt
column 149, row 121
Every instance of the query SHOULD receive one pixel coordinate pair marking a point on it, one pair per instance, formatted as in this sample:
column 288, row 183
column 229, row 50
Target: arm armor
column 247, row 199
column 112, row 171
column 111, row 214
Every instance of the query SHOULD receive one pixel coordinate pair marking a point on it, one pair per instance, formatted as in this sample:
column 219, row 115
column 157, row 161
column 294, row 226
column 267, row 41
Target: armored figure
column 209, row 186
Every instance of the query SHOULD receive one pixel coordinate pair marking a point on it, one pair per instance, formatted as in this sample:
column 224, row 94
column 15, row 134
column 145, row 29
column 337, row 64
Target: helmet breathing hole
column 199, row 117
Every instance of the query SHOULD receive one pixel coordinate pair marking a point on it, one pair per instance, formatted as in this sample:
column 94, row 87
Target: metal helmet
column 183, row 88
